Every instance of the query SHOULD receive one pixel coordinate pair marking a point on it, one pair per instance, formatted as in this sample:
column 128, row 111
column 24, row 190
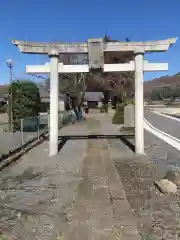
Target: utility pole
column 9, row 63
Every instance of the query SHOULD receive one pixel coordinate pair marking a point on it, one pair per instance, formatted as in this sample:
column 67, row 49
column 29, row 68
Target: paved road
column 161, row 152
column 167, row 125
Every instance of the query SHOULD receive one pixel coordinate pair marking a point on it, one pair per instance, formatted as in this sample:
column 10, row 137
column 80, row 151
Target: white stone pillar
column 54, row 99
column 139, row 102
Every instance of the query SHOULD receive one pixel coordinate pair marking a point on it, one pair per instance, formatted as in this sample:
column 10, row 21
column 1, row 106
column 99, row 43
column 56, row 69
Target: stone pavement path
column 100, row 210
column 78, row 190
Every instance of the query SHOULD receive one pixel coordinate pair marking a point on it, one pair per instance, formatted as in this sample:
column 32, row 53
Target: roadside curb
column 18, row 153
column 167, row 116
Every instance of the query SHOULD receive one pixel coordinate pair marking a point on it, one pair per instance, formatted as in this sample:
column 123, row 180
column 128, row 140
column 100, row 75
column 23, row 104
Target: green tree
column 162, row 93
column 176, row 92
column 25, row 101
column 156, row 95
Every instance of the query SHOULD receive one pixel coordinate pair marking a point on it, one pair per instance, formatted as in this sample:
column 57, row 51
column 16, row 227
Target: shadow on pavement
column 128, row 143
column 123, row 138
column 62, row 143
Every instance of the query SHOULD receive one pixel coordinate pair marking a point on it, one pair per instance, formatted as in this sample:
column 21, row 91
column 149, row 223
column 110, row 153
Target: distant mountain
column 165, row 81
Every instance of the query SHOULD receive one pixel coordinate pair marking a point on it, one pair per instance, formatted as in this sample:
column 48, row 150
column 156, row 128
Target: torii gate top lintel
column 45, row 48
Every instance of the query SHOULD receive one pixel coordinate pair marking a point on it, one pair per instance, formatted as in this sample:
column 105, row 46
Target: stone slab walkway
column 100, row 210
column 75, row 195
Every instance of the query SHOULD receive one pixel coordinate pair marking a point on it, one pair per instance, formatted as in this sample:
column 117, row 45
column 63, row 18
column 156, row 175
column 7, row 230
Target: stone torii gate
column 96, row 50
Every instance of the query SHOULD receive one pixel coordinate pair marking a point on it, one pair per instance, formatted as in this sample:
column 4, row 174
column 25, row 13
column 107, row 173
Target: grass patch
column 118, row 117
column 3, row 236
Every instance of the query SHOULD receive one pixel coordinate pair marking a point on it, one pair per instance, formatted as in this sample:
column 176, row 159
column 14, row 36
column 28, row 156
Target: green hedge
column 25, row 101
column 118, row 117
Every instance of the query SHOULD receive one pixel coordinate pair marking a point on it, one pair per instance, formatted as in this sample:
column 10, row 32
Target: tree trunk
column 106, row 97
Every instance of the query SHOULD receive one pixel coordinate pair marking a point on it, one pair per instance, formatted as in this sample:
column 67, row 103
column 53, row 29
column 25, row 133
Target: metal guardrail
column 27, row 130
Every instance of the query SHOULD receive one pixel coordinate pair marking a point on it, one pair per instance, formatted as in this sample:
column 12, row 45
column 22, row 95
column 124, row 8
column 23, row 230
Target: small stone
column 166, row 186
column 173, row 176
column 53, row 200
column 19, row 214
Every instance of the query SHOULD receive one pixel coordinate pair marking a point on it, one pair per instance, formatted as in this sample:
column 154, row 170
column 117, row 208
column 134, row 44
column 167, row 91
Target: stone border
column 17, row 149
column 15, row 155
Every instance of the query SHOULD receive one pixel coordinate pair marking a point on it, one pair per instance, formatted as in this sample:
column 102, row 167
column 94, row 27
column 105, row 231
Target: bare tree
column 119, row 85
column 74, row 85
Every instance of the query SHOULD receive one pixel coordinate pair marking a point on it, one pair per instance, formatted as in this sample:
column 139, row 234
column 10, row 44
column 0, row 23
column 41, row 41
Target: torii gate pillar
column 54, row 97
column 139, row 101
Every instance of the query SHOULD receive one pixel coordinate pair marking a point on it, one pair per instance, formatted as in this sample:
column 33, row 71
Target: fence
column 28, row 129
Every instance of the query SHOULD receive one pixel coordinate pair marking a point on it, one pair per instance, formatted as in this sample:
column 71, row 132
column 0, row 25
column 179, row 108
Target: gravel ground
column 35, row 192
column 158, row 215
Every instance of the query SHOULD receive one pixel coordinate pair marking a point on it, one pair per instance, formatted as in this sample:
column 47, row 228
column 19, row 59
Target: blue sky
column 59, row 20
